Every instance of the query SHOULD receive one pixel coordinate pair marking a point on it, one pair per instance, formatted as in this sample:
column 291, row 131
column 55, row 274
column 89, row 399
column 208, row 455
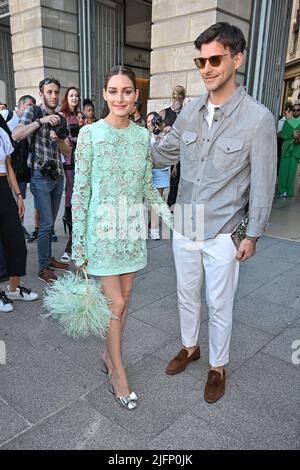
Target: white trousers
column 218, row 257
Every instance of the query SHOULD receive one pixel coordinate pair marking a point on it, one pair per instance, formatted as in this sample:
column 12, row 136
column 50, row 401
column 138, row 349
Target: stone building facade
column 291, row 91
column 78, row 40
column 44, row 35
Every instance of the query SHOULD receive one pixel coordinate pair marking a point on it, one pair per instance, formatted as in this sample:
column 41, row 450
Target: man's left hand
column 246, row 250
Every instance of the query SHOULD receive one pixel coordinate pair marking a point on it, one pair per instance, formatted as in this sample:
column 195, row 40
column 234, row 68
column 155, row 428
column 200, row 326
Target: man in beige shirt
column 226, row 144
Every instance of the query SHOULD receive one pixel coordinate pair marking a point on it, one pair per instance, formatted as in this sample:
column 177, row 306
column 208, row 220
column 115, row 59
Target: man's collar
column 230, row 104
column 203, row 100
column 176, row 111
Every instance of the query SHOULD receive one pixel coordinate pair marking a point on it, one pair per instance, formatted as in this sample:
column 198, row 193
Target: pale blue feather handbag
column 78, row 304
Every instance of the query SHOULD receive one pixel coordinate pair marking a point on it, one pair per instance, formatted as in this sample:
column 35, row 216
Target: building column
column 44, row 43
column 176, row 24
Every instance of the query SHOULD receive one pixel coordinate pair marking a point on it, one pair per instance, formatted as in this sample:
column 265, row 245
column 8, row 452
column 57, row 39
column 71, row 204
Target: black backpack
column 20, row 154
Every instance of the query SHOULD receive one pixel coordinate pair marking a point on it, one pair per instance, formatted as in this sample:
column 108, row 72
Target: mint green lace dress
column 113, row 176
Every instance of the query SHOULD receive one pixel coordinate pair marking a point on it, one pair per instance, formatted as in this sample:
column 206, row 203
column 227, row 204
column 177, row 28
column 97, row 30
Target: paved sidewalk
column 53, row 395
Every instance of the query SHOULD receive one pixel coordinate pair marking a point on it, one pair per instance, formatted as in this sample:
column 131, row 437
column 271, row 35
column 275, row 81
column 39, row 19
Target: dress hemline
column 114, row 272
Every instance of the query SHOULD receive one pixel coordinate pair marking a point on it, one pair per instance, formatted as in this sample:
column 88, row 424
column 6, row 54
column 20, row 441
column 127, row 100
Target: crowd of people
column 225, row 143
column 288, row 130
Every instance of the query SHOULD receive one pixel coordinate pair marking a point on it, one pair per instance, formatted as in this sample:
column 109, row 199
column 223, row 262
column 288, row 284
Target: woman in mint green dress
column 113, row 175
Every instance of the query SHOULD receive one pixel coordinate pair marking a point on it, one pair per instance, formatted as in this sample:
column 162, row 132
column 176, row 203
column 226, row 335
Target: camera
column 61, row 132
column 158, row 124
column 49, row 168
column 61, row 129
column 74, row 130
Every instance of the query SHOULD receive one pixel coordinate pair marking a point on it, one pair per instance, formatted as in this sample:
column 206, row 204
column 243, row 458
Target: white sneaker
column 6, row 305
column 21, row 293
column 154, row 234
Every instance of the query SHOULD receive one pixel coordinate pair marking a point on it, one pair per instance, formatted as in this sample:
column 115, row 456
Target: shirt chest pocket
column 189, row 145
column 228, row 153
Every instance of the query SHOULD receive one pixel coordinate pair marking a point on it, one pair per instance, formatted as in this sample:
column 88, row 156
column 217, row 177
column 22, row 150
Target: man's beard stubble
column 48, row 105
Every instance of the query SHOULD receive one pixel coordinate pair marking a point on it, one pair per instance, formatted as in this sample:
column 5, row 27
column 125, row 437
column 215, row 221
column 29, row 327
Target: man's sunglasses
column 214, row 60
column 47, row 81
column 296, row 110
column 178, row 96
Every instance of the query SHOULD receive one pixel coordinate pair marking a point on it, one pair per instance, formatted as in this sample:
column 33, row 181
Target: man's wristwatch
column 253, row 239
column 39, row 122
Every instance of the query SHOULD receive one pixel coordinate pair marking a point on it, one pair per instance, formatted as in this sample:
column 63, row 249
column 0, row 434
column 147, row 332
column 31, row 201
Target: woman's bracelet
column 18, row 194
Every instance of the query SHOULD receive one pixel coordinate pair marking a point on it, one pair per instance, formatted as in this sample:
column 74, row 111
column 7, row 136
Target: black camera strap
column 37, row 113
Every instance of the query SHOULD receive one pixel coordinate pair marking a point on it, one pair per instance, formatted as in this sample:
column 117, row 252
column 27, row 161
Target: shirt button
column 228, row 148
column 207, row 140
column 203, row 139
column 216, row 120
column 202, row 159
column 198, row 179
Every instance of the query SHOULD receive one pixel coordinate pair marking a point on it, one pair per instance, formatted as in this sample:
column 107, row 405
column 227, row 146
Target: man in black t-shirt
column 169, row 116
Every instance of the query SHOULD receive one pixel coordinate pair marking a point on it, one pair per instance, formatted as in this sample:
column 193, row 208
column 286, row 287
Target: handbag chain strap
column 83, row 270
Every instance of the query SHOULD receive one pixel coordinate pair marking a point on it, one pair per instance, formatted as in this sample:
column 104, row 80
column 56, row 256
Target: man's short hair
column 288, row 106
column 24, row 98
column 138, row 104
column 230, row 36
column 47, row 81
column 180, row 90
column 87, row 102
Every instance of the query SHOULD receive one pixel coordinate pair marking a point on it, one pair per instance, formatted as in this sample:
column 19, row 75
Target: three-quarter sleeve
column 81, row 195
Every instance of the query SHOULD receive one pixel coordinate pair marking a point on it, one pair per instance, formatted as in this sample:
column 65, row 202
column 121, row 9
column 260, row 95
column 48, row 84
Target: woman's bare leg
column 126, row 287
column 14, row 282
column 113, row 290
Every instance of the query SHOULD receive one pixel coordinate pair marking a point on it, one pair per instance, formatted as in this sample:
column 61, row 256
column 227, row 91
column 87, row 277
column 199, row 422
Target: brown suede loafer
column 215, row 386
column 179, row 362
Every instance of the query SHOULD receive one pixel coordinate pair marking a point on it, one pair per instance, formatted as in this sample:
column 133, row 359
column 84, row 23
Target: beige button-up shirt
column 224, row 166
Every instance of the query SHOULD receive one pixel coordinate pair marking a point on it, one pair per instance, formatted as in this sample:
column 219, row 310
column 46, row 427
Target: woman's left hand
column 21, row 207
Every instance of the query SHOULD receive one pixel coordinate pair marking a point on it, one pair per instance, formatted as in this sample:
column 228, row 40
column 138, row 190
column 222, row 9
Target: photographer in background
column 160, row 177
column 136, row 116
column 169, row 116
column 47, row 135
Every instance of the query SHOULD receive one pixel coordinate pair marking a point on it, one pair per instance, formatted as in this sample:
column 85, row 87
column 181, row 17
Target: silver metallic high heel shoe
column 103, row 366
column 129, row 402
column 104, row 369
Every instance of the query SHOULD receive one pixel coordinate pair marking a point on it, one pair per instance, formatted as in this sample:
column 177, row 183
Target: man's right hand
column 21, row 131
column 52, row 119
column 174, row 171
